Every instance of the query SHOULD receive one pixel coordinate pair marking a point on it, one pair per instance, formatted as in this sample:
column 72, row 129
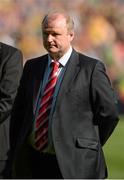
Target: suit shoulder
column 90, row 62
column 8, row 48
column 36, row 61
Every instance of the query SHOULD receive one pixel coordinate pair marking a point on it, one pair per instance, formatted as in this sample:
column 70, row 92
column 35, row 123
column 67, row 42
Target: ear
column 71, row 35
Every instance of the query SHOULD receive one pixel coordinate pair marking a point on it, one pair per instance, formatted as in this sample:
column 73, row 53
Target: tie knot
column 55, row 64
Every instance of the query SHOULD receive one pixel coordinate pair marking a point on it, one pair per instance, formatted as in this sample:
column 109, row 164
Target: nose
column 49, row 38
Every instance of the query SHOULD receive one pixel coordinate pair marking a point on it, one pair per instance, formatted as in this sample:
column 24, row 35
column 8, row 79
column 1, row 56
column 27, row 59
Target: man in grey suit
column 81, row 118
column 11, row 65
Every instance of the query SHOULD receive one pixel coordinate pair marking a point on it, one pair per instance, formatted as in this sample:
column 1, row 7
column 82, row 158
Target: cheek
column 66, row 42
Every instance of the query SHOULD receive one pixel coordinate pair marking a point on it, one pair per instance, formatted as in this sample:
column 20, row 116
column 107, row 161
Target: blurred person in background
column 11, row 65
column 64, row 112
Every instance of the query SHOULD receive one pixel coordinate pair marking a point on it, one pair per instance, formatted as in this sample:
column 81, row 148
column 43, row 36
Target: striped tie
column 41, row 126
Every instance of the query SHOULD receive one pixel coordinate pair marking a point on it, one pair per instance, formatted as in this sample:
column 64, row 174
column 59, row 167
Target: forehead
column 54, row 21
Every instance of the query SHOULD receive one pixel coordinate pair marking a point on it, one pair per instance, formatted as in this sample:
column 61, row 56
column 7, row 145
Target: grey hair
column 69, row 20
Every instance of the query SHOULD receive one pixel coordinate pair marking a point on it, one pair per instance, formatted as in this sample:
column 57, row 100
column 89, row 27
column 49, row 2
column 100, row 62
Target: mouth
column 52, row 46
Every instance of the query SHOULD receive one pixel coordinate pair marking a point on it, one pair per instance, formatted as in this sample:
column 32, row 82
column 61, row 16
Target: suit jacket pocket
column 87, row 143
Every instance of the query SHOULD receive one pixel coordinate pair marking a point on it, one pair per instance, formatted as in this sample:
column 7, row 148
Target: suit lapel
column 38, row 79
column 72, row 69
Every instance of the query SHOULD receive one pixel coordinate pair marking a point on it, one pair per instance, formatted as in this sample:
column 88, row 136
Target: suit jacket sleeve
column 104, row 102
column 12, row 66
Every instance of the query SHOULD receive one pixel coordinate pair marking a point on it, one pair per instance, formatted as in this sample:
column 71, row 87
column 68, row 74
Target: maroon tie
column 41, row 126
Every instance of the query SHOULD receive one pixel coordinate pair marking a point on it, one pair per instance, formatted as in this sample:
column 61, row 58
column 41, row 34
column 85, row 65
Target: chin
column 55, row 55
column 52, row 52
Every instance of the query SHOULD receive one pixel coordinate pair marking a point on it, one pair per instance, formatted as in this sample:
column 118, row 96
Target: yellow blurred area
column 99, row 30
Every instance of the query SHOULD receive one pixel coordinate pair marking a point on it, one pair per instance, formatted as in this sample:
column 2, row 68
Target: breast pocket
column 79, row 98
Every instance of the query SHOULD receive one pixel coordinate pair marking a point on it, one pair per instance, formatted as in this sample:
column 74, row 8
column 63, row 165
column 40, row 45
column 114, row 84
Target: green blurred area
column 114, row 152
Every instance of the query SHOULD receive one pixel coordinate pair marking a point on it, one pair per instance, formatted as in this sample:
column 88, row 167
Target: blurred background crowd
column 99, row 26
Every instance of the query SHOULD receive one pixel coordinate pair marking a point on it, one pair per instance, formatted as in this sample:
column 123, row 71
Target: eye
column 55, row 34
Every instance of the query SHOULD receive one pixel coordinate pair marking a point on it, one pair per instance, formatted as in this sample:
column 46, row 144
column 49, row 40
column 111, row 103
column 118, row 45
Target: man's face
column 56, row 38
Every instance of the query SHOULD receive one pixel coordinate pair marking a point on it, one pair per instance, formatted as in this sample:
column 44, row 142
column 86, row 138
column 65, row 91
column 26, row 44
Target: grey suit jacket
column 84, row 117
column 11, row 66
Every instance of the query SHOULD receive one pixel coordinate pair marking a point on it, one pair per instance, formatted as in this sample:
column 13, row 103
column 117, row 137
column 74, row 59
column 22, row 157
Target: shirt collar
column 64, row 59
